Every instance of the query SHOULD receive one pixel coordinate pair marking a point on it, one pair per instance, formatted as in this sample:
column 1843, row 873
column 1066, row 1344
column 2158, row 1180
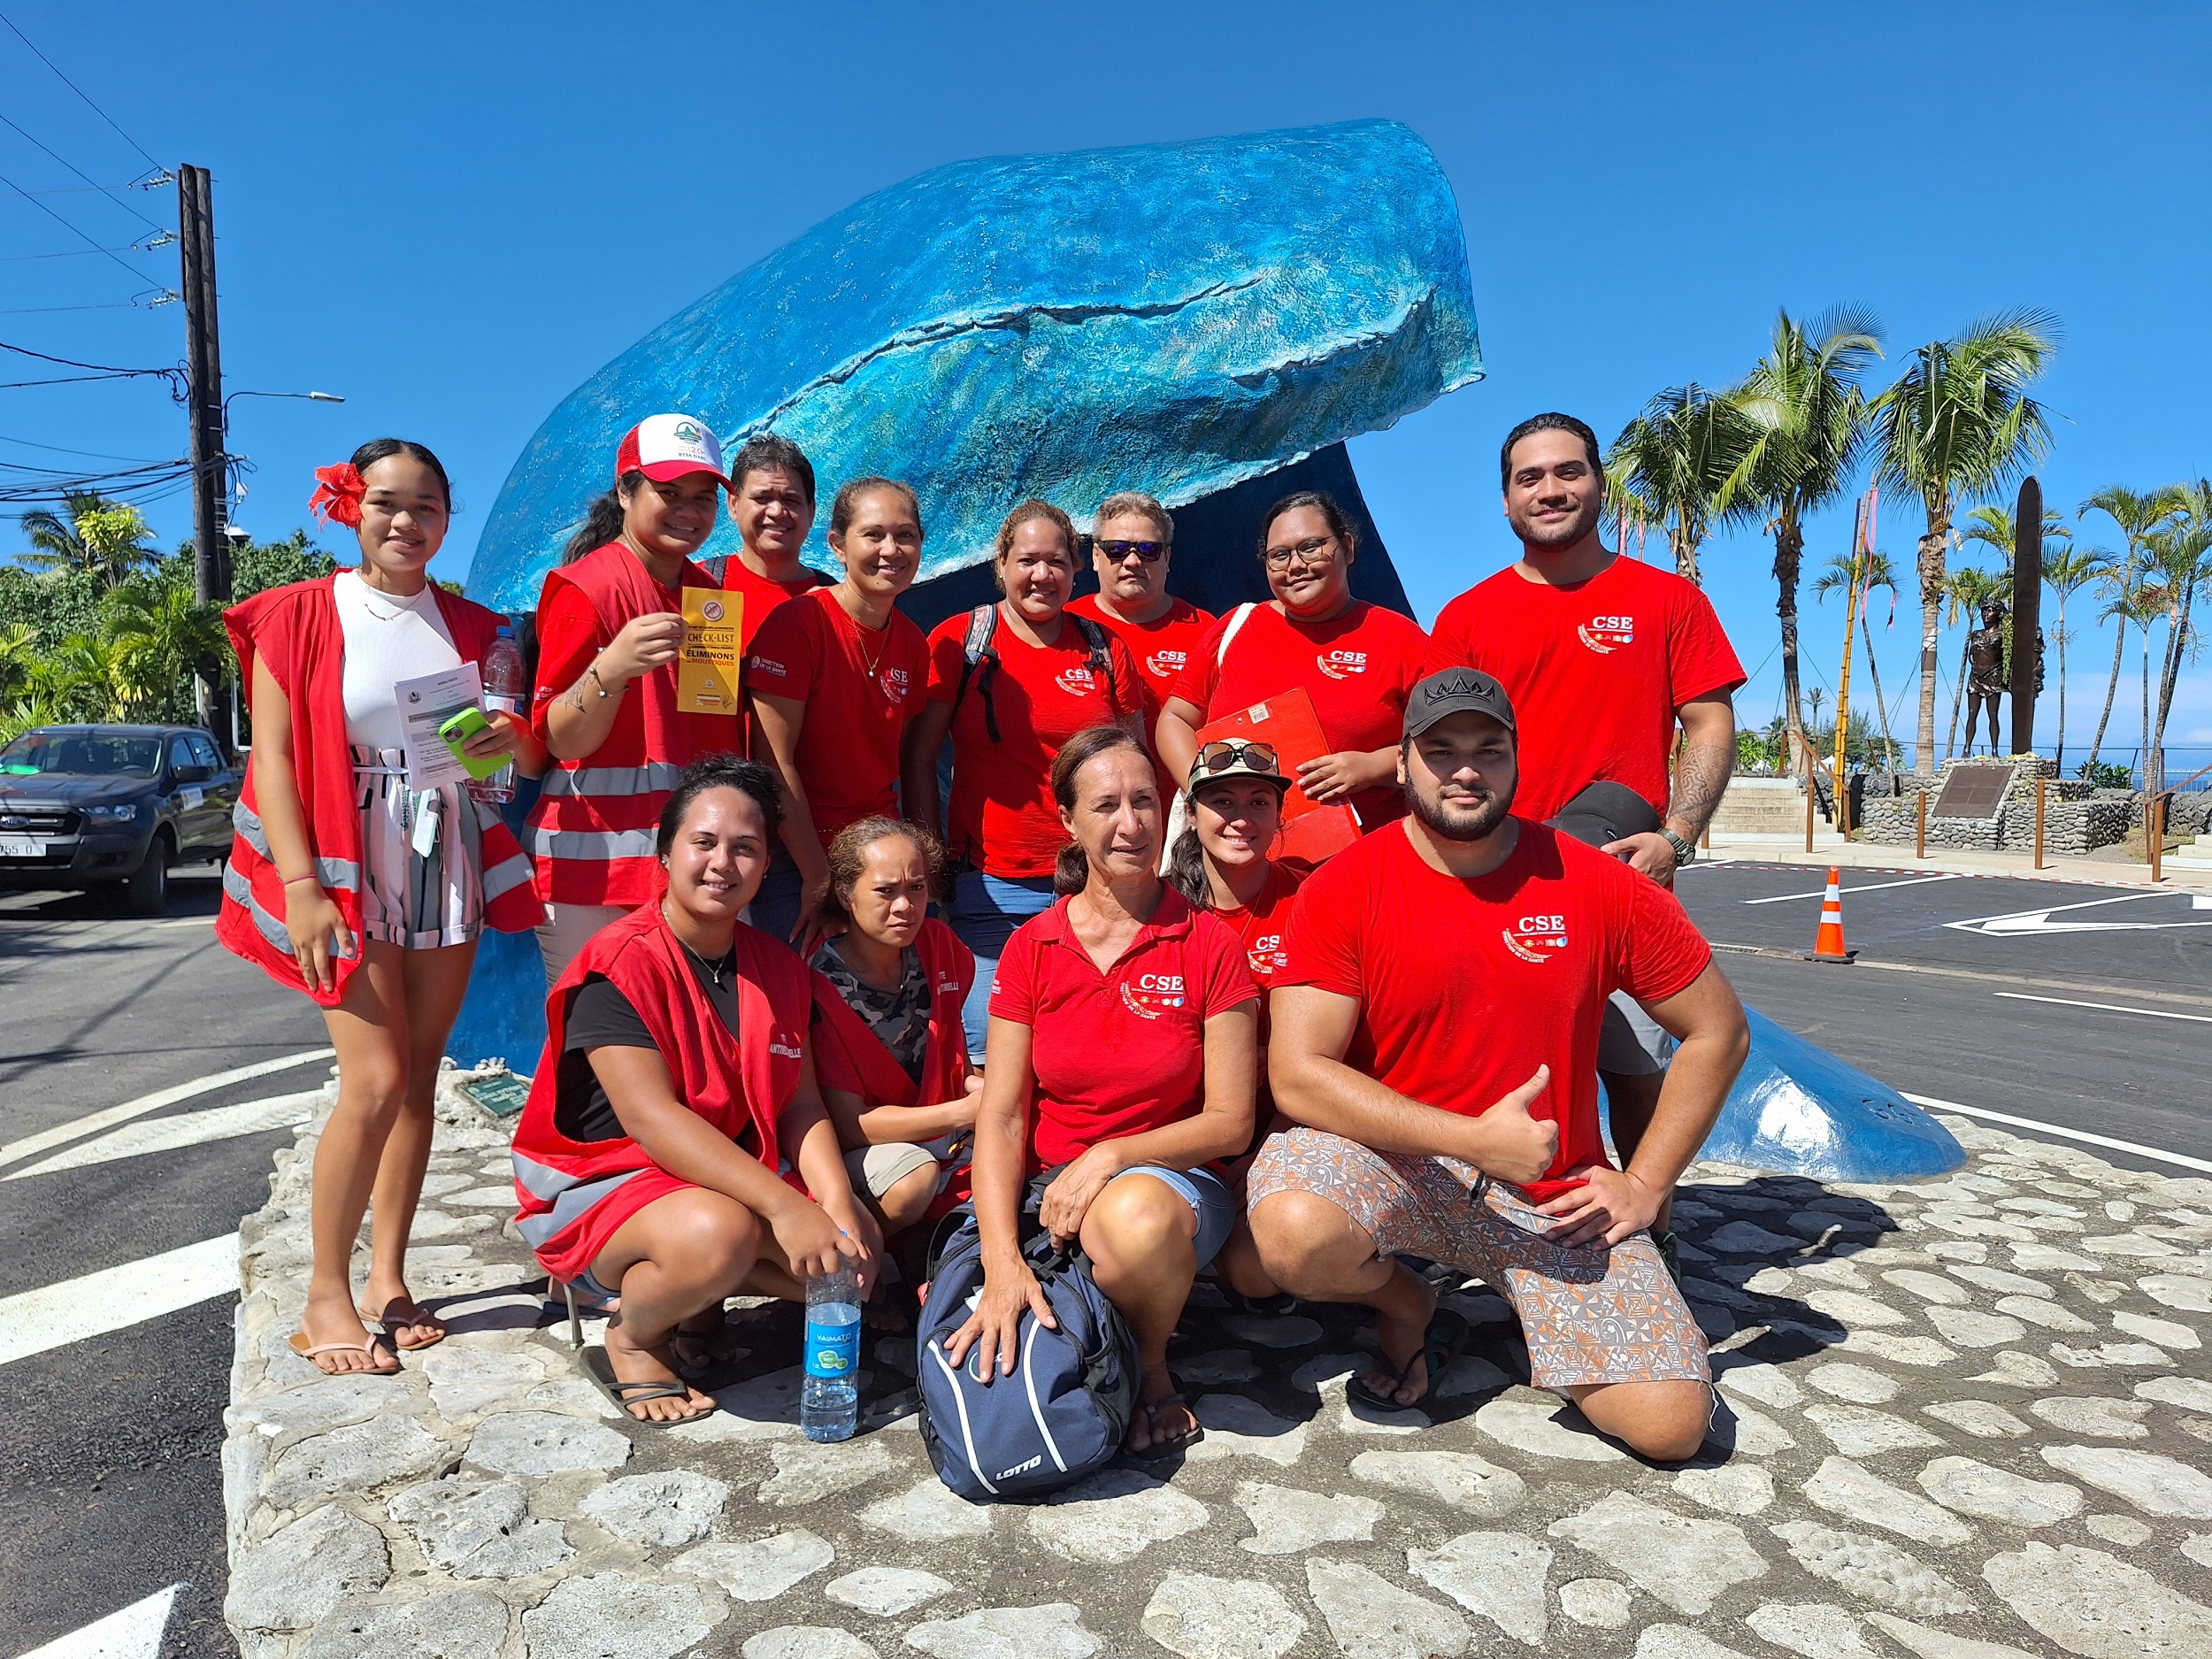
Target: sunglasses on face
column 1116, row 551
column 1223, row 753
column 1306, row 552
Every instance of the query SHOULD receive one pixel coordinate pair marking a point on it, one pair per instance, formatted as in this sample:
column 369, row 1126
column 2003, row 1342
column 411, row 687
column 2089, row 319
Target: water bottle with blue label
column 829, row 1402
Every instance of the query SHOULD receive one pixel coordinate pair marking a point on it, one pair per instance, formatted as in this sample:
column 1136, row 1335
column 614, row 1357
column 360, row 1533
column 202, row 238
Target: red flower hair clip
column 338, row 493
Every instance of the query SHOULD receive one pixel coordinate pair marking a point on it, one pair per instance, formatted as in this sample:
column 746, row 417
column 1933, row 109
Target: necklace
column 714, row 969
column 371, row 594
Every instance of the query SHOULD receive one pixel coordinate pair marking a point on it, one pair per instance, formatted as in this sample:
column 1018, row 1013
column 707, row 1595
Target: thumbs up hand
column 1513, row 1146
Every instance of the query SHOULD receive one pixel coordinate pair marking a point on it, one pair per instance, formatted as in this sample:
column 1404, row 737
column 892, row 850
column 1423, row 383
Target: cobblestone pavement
column 1965, row 1419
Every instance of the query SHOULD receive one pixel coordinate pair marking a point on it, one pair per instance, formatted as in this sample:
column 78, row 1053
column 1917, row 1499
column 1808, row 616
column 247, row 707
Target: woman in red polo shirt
column 609, row 629
column 1120, row 1073
column 1356, row 660
column 1010, row 683
column 834, row 679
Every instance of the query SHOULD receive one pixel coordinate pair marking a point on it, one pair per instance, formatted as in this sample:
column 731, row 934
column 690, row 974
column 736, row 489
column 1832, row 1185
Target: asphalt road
column 111, row 1488
column 109, row 1481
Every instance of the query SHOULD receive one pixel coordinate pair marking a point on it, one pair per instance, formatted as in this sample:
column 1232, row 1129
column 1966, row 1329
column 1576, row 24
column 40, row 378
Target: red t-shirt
column 764, row 595
column 1123, row 1052
column 1595, row 670
column 1163, row 647
column 1003, row 818
column 1465, row 987
column 1262, row 927
column 860, row 688
column 1358, row 669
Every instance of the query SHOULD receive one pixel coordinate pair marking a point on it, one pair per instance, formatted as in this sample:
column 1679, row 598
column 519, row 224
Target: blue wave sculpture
column 1175, row 318
column 1796, row 1109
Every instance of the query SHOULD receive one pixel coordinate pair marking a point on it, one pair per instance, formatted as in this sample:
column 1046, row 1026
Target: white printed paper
column 425, row 704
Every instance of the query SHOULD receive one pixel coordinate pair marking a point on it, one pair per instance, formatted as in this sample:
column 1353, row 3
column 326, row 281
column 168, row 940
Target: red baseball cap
column 664, row 447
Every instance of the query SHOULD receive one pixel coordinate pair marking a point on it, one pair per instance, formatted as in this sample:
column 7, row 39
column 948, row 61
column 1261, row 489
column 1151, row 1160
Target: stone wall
column 2077, row 819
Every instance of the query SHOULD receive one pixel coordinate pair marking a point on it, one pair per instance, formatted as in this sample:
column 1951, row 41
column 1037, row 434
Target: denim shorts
column 986, row 910
column 1216, row 1207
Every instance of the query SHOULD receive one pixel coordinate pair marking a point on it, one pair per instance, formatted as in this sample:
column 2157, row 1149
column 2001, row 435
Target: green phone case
column 457, row 729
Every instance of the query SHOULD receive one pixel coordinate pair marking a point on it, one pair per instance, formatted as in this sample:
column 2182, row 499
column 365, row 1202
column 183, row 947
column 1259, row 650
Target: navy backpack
column 1063, row 1412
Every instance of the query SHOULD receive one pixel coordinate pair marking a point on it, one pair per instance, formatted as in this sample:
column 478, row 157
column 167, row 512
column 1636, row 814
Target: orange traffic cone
column 1828, row 943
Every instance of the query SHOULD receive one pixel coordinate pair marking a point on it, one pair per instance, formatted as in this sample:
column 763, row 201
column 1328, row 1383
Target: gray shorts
column 1631, row 1043
column 876, row 1170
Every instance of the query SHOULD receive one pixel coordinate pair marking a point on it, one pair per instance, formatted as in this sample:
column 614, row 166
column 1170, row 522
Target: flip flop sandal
column 1160, row 1450
column 389, row 1321
column 622, row 1396
column 300, row 1346
column 1440, row 1345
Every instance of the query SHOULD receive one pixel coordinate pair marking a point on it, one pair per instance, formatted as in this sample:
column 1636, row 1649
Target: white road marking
column 186, row 921
column 133, row 1633
column 114, row 1298
column 2018, row 922
column 95, row 1122
column 1872, row 886
column 2200, row 901
column 185, row 1129
column 2109, row 1007
column 2054, row 1129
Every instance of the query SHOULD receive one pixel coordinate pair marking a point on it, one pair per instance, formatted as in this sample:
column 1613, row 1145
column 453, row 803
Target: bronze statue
column 1985, row 670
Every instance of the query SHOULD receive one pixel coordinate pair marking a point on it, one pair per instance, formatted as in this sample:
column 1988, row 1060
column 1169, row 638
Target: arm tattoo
column 1701, row 778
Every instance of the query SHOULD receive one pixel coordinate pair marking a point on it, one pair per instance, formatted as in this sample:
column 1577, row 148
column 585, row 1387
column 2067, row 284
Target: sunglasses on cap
column 1150, row 552
column 1226, row 754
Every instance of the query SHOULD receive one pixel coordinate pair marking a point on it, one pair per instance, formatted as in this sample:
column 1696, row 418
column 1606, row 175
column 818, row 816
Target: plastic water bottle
column 829, row 1402
column 505, row 693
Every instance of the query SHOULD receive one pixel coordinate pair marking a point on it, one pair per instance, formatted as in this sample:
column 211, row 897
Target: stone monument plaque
column 1973, row 792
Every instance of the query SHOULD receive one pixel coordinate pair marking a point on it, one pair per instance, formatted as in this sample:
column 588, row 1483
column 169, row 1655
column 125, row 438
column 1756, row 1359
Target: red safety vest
column 592, row 831
column 849, row 1055
column 295, row 630
column 731, row 1085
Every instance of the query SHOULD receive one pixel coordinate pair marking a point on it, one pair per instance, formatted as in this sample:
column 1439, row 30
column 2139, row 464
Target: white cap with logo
column 664, row 447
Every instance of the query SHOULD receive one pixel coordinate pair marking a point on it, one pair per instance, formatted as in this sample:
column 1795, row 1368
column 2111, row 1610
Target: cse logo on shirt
column 1153, row 995
column 1536, row 938
column 896, row 682
column 1166, row 664
column 1607, row 634
column 1342, row 665
column 1077, row 681
column 1267, row 956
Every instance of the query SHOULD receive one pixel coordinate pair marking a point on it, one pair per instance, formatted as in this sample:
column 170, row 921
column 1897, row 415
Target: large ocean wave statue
column 1209, row 321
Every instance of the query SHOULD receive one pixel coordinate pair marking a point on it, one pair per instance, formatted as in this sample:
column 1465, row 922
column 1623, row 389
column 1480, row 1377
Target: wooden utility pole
column 204, row 372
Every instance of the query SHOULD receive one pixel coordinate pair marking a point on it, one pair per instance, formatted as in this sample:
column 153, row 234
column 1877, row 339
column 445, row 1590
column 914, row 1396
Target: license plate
column 22, row 847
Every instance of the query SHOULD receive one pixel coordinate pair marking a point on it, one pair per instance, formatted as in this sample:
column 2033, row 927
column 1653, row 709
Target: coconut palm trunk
column 2111, row 690
column 1789, row 559
column 1874, row 673
column 1932, row 597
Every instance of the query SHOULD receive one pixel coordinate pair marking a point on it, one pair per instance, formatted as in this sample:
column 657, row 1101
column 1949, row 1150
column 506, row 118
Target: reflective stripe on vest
column 583, row 845
column 337, row 874
column 655, row 777
column 505, row 876
column 239, row 890
column 569, row 1209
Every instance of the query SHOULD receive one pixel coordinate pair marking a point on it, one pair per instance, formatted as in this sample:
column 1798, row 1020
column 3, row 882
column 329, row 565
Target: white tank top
column 388, row 639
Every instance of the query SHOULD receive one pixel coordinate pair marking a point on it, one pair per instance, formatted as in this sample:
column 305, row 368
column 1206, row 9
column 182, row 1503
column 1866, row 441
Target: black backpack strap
column 1094, row 638
column 979, row 651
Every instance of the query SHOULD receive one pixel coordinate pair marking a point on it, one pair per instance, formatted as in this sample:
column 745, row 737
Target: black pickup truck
column 86, row 806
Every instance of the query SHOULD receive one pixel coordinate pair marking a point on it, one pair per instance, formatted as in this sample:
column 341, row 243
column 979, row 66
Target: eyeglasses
column 1306, row 552
column 1150, row 552
column 1223, row 753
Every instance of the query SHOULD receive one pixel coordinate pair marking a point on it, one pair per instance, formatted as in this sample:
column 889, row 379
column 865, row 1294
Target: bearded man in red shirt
column 1435, row 1039
column 1603, row 657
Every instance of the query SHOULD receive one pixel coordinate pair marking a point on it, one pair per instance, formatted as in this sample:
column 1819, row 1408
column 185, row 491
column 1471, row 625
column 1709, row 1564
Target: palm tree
column 1874, row 571
column 1959, row 422
column 2182, row 557
column 2142, row 604
column 161, row 640
column 2067, row 573
column 2137, row 514
column 1993, row 527
column 104, row 540
column 1965, row 590
column 1678, row 463
column 1807, row 416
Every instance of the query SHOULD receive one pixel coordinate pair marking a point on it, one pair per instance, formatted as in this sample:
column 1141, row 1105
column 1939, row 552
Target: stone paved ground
column 1965, row 1419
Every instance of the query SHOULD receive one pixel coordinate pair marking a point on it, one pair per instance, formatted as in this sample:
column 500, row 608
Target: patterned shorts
column 1591, row 1314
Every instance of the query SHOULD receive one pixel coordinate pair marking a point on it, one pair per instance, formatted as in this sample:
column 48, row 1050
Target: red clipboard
column 1311, row 831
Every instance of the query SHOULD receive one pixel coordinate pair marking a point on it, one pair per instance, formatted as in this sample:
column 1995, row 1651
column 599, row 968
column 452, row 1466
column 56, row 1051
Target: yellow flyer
column 706, row 678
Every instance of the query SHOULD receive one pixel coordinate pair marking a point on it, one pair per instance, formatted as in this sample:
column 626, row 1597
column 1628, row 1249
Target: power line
column 72, row 229
column 98, row 372
column 73, row 253
column 90, row 454
column 79, row 90
column 128, row 207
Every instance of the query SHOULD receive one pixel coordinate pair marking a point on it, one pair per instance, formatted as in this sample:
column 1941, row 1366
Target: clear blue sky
column 453, row 215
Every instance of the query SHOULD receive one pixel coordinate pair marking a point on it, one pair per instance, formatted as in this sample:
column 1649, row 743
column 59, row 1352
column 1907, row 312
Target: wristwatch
column 1685, row 852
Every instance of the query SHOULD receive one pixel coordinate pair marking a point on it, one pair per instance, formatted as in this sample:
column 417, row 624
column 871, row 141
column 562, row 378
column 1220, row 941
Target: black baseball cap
column 1456, row 691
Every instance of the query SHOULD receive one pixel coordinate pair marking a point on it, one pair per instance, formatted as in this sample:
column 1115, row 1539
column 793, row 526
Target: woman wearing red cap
column 610, row 630
column 346, row 881
column 1356, row 660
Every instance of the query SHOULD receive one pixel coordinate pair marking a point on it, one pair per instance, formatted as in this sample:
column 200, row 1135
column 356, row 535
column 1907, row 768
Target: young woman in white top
column 348, row 883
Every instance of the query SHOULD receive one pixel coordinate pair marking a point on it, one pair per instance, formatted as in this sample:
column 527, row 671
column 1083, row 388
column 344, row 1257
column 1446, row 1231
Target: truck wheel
column 147, row 892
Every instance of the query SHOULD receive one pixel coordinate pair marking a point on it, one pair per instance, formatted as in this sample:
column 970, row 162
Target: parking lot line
column 1872, row 886
column 1934, row 1104
column 2109, row 1007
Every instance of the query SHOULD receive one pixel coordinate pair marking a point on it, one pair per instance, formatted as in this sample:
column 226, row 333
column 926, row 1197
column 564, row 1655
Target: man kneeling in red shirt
column 1435, row 1038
